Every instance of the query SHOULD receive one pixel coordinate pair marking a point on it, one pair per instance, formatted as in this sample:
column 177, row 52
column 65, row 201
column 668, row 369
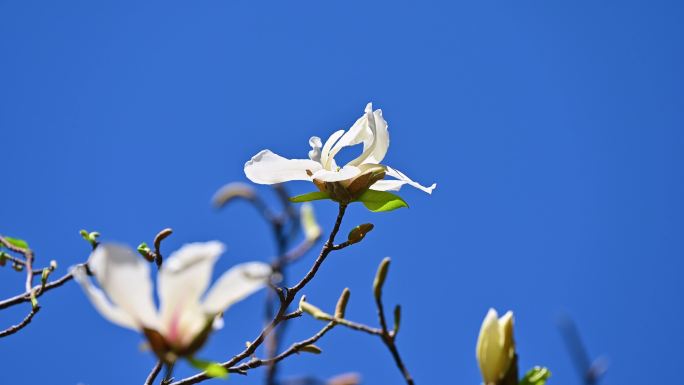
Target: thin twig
column 291, row 294
column 15, row 328
column 26, row 297
column 295, row 348
column 388, row 338
column 358, row 327
column 154, row 373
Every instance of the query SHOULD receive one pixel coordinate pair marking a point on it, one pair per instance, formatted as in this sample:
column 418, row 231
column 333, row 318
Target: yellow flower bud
column 495, row 346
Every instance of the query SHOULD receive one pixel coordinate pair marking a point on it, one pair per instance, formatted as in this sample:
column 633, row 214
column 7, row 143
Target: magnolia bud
column 145, row 251
column 311, row 348
column 495, row 346
column 161, row 236
column 342, row 303
column 380, row 277
column 311, row 229
column 359, row 232
column 313, row 310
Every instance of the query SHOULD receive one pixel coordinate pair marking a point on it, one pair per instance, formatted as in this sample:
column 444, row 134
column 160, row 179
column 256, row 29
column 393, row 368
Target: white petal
column 359, row 132
column 395, row 185
column 235, row 284
column 381, row 142
column 376, row 141
column 125, row 278
column 315, row 153
column 269, row 168
column 326, row 159
column 101, row 303
column 346, row 172
column 182, row 280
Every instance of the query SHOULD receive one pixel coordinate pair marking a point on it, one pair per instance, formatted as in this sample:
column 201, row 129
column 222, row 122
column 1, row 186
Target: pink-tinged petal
column 269, row 168
column 183, row 279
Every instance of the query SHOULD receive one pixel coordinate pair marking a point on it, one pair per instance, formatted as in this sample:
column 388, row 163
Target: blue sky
column 553, row 129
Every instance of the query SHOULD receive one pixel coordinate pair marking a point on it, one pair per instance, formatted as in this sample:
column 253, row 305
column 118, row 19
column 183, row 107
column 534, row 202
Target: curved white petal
column 269, row 168
column 345, row 173
column 381, row 136
column 359, row 132
column 101, row 303
column 125, row 278
column 376, row 141
column 401, row 179
column 235, row 284
column 182, row 280
column 316, row 144
column 327, row 160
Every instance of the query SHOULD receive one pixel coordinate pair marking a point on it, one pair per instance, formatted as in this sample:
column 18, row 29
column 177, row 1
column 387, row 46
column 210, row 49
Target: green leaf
column 213, row 369
column 17, row 242
column 379, row 201
column 312, row 196
column 536, row 376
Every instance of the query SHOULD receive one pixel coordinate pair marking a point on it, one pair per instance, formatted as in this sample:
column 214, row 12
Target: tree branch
column 290, row 295
column 154, row 373
column 26, row 297
column 15, row 328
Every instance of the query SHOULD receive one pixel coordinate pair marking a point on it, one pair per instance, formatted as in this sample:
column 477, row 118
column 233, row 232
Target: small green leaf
column 536, row 376
column 312, row 196
column 213, row 369
column 379, row 201
column 20, row 243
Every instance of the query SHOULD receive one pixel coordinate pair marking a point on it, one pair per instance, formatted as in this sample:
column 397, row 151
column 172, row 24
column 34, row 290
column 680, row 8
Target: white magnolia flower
column 370, row 129
column 495, row 346
column 186, row 313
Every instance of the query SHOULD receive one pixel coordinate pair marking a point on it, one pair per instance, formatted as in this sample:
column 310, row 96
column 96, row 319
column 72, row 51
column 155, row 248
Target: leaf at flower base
column 379, row 201
column 20, row 243
column 536, row 376
column 312, row 196
column 213, row 369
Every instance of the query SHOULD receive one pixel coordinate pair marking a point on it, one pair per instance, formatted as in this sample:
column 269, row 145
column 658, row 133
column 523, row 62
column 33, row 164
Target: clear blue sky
column 553, row 129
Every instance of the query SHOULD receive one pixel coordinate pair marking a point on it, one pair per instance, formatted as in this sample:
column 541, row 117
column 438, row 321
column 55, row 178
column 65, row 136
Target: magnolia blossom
column 495, row 346
column 370, row 130
column 186, row 313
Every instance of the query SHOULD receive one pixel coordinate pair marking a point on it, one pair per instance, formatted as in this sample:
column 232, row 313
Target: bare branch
column 291, row 294
column 154, row 373
column 15, row 328
column 26, row 297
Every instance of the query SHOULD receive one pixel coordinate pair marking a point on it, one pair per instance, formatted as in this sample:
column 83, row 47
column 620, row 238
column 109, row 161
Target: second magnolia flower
column 186, row 313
